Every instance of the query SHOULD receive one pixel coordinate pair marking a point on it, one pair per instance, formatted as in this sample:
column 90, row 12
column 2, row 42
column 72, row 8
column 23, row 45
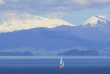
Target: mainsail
column 61, row 61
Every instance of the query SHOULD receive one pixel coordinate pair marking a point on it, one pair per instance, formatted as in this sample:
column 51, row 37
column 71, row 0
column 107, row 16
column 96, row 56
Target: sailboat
column 61, row 63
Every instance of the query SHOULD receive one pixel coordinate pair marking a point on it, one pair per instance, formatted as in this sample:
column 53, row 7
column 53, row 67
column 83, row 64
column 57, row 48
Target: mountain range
column 44, row 36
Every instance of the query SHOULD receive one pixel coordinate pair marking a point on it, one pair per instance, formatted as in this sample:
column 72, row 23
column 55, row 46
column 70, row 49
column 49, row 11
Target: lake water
column 49, row 66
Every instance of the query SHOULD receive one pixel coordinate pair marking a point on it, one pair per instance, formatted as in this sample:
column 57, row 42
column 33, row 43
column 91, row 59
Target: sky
column 72, row 11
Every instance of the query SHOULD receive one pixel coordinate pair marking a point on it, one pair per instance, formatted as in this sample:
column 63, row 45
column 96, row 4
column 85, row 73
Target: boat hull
column 60, row 66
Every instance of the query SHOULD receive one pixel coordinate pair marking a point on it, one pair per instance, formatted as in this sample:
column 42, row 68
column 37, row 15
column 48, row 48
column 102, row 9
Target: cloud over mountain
column 50, row 6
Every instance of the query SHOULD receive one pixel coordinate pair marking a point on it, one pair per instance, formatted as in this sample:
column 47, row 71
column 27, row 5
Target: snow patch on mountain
column 28, row 22
column 94, row 20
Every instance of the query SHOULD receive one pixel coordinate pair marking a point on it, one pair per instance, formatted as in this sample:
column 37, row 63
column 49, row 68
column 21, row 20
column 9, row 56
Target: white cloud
column 2, row 2
column 48, row 2
column 88, row 2
column 51, row 6
column 55, row 15
column 106, row 15
column 14, row 0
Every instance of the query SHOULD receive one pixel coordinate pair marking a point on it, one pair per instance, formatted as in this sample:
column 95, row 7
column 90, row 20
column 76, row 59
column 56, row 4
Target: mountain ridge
column 57, row 40
column 40, row 41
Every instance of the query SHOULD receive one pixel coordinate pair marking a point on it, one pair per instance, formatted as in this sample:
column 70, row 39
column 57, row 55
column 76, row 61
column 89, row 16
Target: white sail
column 63, row 63
column 61, row 60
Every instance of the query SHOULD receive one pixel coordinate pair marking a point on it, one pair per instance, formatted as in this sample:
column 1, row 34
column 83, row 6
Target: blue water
column 49, row 66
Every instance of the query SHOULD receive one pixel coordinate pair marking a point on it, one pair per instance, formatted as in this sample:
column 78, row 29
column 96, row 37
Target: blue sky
column 78, row 17
column 73, row 11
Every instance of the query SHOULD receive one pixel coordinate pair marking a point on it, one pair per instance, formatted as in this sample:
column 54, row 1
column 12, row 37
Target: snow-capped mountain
column 95, row 28
column 96, row 21
column 54, row 36
column 17, row 24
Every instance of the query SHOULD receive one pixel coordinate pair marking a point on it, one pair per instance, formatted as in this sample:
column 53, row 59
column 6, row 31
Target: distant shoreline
column 54, row 57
